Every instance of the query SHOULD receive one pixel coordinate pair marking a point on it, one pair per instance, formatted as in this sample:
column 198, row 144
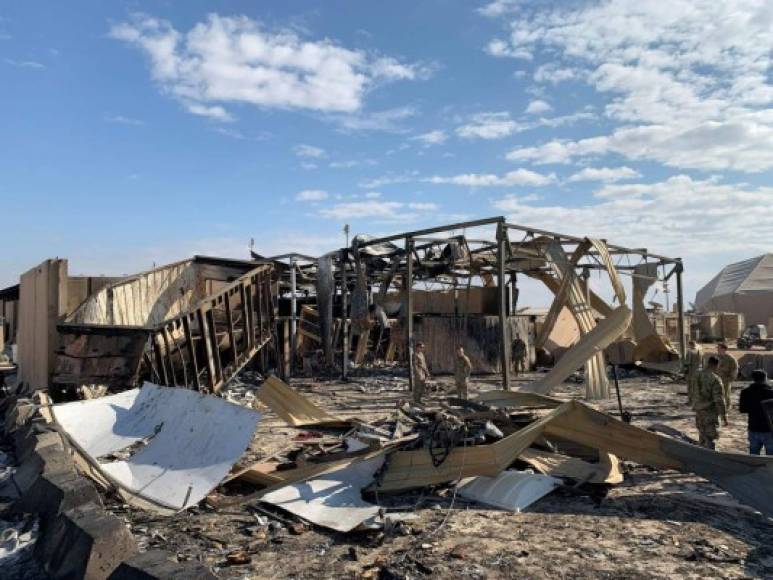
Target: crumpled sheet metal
column 510, row 490
column 333, row 499
column 192, row 441
column 590, row 347
column 650, row 346
column 749, row 478
column 607, row 470
column 294, row 408
column 414, row 468
column 572, row 293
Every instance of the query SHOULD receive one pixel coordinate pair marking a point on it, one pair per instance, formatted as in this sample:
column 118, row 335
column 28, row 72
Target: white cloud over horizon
column 706, row 222
column 227, row 60
column 511, row 178
column 380, row 211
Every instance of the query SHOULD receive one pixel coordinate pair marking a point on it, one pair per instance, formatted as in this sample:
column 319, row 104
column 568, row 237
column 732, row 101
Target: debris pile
column 196, row 423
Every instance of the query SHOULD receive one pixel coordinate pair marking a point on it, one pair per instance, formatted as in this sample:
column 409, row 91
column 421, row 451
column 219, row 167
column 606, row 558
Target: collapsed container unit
column 193, row 323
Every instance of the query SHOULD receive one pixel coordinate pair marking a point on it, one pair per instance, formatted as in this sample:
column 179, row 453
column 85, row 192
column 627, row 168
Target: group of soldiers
column 709, row 393
column 462, row 368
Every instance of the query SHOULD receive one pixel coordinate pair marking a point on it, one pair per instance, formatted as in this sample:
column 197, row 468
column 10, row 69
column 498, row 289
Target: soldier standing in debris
column 519, row 354
column 708, row 400
column 727, row 371
column 693, row 362
column 462, row 371
column 420, row 373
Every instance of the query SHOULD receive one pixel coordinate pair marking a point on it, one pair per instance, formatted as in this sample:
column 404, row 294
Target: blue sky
column 135, row 133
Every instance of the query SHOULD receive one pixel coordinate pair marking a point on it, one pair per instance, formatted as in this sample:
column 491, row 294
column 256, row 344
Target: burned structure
column 470, row 297
column 180, row 423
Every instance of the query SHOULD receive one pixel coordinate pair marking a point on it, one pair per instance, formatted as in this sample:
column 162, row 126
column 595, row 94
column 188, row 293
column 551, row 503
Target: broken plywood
column 293, row 407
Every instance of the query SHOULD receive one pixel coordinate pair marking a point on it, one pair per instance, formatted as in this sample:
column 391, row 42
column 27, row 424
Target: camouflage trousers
column 419, row 386
column 707, row 422
column 727, row 383
column 461, row 387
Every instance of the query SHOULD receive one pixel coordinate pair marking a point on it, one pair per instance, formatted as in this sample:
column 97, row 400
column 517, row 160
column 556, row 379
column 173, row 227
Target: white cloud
column 688, row 87
column 552, row 73
column 121, row 120
column 372, row 195
column 378, row 210
column 537, row 107
column 390, row 179
column 499, row 7
column 424, row 206
column 213, row 112
column 32, row 64
column 343, row 164
column 238, row 60
column 435, row 137
column 558, row 151
column 238, row 135
column 311, row 195
column 705, row 221
column 501, row 49
column 489, row 126
column 605, row 174
column 389, row 120
column 309, row 151
column 511, row 178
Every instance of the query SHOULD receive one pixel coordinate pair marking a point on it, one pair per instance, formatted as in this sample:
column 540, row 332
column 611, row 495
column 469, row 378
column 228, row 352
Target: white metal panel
column 194, row 440
column 334, row 499
column 510, row 490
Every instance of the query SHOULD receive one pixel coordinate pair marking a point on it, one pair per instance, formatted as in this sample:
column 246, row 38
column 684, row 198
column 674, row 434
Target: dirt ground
column 656, row 524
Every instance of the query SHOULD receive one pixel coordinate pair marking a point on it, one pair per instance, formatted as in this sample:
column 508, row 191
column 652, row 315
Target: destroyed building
column 277, row 388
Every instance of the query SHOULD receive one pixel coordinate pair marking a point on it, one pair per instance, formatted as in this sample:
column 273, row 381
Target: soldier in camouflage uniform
column 462, row 370
column 727, row 371
column 693, row 362
column 420, row 373
column 708, row 400
column 518, row 353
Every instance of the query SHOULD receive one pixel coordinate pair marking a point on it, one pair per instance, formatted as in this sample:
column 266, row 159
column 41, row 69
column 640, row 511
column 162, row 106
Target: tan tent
column 745, row 287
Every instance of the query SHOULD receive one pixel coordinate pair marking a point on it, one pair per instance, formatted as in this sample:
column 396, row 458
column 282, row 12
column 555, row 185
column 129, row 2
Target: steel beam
column 680, row 308
column 504, row 321
column 408, row 286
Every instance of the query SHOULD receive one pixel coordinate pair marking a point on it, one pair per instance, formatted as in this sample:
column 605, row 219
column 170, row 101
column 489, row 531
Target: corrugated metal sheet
column 192, row 441
column 510, row 490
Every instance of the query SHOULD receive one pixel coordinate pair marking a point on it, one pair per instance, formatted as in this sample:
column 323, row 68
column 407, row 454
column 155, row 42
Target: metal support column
column 344, row 315
column 504, row 321
column 408, row 286
column 680, row 309
column 293, row 317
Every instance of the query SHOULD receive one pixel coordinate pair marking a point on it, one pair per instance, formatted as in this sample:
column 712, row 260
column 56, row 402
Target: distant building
column 745, row 287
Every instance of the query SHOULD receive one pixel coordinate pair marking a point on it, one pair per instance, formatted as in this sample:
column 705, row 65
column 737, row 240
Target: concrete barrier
column 159, row 565
column 78, row 538
column 85, row 542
